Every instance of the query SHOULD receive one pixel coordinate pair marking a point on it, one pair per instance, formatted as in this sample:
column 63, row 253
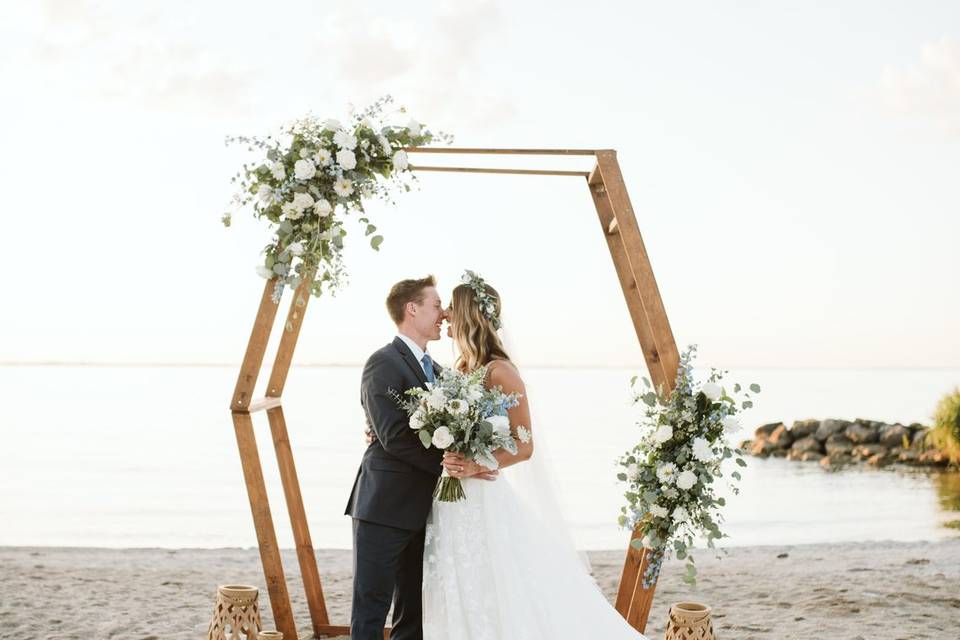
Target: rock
column 933, row 458
column 869, row 450
column 781, row 437
column 918, row 439
column 829, row 427
column 838, row 443
column 835, row 458
column 804, row 456
column 745, row 444
column 908, row 456
column 861, row 433
column 780, row 453
column 804, row 428
column 764, row 431
column 762, row 447
column 894, row 435
column 880, row 459
column 807, row 444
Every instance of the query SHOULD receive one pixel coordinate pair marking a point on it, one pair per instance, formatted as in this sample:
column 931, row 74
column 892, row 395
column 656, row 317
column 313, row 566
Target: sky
column 793, row 168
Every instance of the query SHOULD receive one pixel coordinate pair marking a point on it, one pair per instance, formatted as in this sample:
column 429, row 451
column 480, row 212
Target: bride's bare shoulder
column 504, row 373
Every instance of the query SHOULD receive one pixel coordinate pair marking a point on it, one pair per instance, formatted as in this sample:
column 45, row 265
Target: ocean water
column 145, row 456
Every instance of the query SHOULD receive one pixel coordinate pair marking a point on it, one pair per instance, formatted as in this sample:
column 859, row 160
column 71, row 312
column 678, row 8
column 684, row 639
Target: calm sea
column 146, row 456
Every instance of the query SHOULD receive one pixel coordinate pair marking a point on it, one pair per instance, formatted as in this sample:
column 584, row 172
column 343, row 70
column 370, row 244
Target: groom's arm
column 389, row 421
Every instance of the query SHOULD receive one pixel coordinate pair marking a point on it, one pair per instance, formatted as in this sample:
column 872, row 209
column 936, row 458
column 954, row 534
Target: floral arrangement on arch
column 672, row 473
column 311, row 177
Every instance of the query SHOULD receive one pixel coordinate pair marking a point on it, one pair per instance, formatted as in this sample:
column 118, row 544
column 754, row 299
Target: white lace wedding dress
column 493, row 570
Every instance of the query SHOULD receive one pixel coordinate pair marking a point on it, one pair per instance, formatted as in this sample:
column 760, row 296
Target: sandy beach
column 865, row 591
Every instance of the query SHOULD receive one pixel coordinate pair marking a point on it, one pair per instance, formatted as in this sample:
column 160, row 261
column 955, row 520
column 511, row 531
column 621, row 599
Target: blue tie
column 427, row 367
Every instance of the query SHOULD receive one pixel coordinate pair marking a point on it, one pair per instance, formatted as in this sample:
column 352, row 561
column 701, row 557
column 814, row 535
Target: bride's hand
column 458, row 466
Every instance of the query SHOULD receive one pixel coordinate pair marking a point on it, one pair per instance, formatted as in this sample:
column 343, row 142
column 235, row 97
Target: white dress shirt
column 415, row 350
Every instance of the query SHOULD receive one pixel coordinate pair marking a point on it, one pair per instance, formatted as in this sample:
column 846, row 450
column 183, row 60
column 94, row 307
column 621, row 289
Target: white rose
column 295, row 248
column 680, row 515
column 658, row 511
column 277, row 171
column 712, row 391
column 302, row 200
column 731, row 424
column 332, row 125
column 304, row 152
column 343, row 187
column 702, row 450
column 264, row 193
column 346, row 159
column 416, row 420
column 344, row 140
column 413, row 127
column 304, row 170
column 322, row 157
column 663, row 433
column 442, row 438
column 400, row 161
column 632, row 471
column 686, row 480
column 501, row 425
column 322, row 208
column 436, row 400
column 666, row 472
column 263, row 272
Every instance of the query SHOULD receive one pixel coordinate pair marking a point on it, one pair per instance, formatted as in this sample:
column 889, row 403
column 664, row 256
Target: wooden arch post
column 635, row 274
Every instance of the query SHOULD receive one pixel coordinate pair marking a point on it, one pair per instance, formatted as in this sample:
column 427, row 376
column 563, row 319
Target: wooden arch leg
column 653, row 331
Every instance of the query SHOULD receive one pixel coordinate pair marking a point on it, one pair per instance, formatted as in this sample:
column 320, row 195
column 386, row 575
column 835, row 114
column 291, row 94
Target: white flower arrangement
column 311, row 176
column 457, row 413
column 670, row 474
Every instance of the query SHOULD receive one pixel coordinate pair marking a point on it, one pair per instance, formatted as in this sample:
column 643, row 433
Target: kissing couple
column 498, row 565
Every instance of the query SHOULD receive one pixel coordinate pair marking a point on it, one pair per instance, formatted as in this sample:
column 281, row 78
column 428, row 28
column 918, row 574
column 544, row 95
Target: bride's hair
column 475, row 336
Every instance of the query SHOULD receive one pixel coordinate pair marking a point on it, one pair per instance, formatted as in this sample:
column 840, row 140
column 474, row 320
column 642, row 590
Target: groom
column 393, row 491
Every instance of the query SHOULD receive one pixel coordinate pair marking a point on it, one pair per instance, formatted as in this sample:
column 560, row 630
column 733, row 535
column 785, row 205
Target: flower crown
column 488, row 306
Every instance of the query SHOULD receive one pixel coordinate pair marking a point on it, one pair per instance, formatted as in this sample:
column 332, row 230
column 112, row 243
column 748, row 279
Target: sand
column 868, row 591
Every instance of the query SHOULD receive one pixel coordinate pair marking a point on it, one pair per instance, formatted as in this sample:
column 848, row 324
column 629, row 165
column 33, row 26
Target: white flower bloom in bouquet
column 667, row 472
column 322, row 157
column 413, row 127
column 416, row 420
column 663, row 433
column 277, row 171
column 304, row 152
column 456, row 406
column 731, row 424
column 442, row 438
column 501, row 425
column 322, row 208
column 304, row 169
column 658, row 511
column 295, row 248
column 264, row 272
column 437, row 400
column 343, row 187
column 384, row 144
column 633, row 471
column 265, row 193
column 712, row 391
column 680, row 515
column 291, row 211
column 302, row 200
column 344, row 140
column 346, row 159
column 332, row 124
column 473, row 392
column 702, row 450
column 365, row 122
column 686, row 480
column 523, row 434
column 400, row 161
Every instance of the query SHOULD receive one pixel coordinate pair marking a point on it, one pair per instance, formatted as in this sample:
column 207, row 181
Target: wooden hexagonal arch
column 619, row 226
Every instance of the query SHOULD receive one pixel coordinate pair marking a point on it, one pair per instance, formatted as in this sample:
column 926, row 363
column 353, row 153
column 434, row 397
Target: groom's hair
column 406, row 291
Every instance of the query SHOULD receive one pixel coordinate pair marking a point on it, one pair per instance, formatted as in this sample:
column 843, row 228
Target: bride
column 500, row 564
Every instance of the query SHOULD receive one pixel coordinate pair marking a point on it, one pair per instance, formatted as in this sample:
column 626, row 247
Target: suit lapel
column 410, row 360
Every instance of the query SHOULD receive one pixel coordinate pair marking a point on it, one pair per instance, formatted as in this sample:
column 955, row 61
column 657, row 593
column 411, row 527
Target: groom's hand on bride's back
column 459, row 467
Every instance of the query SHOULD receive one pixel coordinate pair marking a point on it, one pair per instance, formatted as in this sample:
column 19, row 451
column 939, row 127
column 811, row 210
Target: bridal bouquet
column 671, row 473
column 310, row 177
column 458, row 413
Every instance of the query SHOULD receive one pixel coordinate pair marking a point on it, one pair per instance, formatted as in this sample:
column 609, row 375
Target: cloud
column 930, row 88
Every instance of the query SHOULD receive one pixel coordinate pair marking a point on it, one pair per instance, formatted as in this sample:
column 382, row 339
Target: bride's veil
column 534, row 481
